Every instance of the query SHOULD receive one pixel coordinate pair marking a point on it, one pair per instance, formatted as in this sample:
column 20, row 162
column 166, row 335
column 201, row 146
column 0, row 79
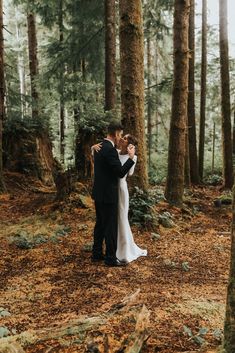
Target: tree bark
column 110, row 54
column 213, row 150
column 225, row 96
column 176, row 153
column 2, row 94
column 21, row 71
column 229, row 326
column 33, row 62
column 203, row 89
column 157, row 122
column 233, row 133
column 132, row 80
column 149, row 106
column 193, row 159
column 187, row 178
column 61, row 84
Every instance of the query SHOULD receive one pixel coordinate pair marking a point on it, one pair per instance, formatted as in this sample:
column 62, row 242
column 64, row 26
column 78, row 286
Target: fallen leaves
column 56, row 282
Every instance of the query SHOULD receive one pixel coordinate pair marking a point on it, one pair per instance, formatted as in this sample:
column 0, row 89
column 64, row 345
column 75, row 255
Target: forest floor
column 47, row 279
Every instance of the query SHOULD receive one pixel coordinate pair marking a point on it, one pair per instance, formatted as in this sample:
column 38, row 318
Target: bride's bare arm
column 131, row 171
column 96, row 147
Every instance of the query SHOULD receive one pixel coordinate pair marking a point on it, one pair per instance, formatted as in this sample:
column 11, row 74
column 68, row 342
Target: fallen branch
column 79, row 326
column 11, row 348
column 134, row 343
column 128, row 301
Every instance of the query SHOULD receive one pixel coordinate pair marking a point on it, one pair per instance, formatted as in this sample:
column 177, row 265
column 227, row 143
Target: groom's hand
column 131, row 151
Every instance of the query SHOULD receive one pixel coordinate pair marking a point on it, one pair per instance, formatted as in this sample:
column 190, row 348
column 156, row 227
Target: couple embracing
column 114, row 160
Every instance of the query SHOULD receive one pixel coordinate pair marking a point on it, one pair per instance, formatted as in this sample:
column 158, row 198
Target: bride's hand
column 96, row 147
column 131, row 151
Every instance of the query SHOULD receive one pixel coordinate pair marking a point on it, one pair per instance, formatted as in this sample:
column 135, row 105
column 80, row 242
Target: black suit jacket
column 107, row 170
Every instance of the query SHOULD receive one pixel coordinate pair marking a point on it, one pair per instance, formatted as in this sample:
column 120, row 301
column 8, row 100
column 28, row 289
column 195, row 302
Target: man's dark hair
column 113, row 127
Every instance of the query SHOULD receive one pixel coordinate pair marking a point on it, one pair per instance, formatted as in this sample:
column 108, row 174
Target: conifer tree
column 225, row 96
column 176, row 153
column 2, row 93
column 132, row 80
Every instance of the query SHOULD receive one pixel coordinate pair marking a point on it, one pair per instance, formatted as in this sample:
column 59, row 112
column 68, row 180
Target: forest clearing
column 52, row 283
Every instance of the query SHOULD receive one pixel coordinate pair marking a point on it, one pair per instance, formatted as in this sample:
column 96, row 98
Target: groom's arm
column 112, row 159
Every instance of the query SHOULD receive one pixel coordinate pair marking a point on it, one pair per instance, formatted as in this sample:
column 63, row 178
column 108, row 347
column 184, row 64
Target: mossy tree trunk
column 193, row 159
column 225, row 95
column 21, row 67
column 61, row 84
column 110, row 54
column 203, row 90
column 149, row 103
column 83, row 157
column 2, row 94
column 176, row 153
column 229, row 327
column 233, row 133
column 157, row 102
column 33, row 62
column 132, row 80
column 29, row 152
column 187, row 179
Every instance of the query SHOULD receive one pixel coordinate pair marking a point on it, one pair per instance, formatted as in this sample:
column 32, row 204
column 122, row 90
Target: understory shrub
column 142, row 212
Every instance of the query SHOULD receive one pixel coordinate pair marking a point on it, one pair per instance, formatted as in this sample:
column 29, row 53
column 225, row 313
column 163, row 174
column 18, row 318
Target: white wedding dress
column 126, row 247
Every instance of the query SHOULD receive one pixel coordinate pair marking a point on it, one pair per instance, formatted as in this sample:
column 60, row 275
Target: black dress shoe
column 115, row 263
column 97, row 258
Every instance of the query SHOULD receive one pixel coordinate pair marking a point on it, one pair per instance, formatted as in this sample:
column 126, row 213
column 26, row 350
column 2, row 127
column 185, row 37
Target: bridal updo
column 132, row 140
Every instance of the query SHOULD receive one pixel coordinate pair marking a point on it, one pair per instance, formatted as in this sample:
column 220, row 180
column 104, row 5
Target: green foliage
column 4, row 313
column 142, row 211
column 214, row 179
column 166, row 219
column 157, row 170
column 70, row 36
column 4, row 332
column 185, row 266
column 199, row 337
column 155, row 236
column 155, row 19
column 25, row 240
column 141, row 208
column 16, row 125
column 71, row 74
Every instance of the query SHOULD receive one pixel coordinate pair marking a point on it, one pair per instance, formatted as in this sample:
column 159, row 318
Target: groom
column 107, row 170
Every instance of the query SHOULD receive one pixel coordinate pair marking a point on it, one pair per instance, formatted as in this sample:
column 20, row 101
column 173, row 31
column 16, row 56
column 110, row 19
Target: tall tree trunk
column 62, row 130
column 229, row 327
column 61, row 84
column 203, row 89
column 157, row 122
column 191, row 99
column 213, row 151
column 234, row 134
column 132, row 80
column 225, row 95
column 33, row 62
column 176, row 153
column 187, row 179
column 21, row 71
column 149, row 105
column 2, row 93
column 110, row 54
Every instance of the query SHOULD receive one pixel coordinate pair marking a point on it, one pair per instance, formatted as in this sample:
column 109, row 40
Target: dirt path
column 182, row 281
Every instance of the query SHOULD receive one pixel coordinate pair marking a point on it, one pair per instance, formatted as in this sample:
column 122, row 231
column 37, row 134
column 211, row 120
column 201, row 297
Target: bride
column 127, row 250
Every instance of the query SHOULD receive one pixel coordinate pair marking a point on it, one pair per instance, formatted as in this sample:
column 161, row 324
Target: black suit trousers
column 106, row 228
